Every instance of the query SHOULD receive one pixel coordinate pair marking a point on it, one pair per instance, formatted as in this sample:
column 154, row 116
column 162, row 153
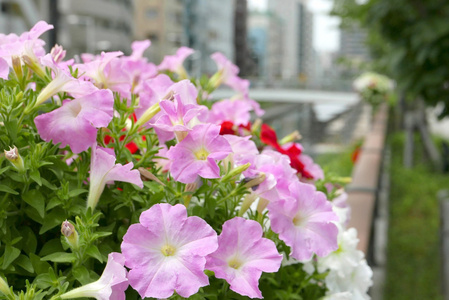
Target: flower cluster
column 194, row 197
column 374, row 88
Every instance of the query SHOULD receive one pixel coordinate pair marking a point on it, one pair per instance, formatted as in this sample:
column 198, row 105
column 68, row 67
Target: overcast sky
column 326, row 34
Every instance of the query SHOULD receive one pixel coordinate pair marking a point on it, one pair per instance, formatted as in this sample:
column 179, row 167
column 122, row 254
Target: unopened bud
column 190, row 188
column 4, row 288
column 235, row 172
column 15, row 159
column 253, row 182
column 58, row 53
column 256, row 125
column 148, row 114
column 33, row 65
column 216, row 80
column 294, row 136
column 17, row 66
column 70, row 234
column 246, row 203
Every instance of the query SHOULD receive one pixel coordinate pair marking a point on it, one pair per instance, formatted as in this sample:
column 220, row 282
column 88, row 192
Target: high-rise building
column 265, row 33
column 209, row 27
column 80, row 25
column 95, row 25
column 298, row 38
column 160, row 21
column 352, row 43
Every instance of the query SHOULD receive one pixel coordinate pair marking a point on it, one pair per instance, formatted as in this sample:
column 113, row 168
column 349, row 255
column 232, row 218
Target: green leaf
column 43, row 280
column 35, row 199
column 81, row 274
column 93, row 251
column 36, row 176
column 39, row 266
column 53, row 219
column 60, row 257
column 24, row 262
column 7, row 189
column 11, row 253
column 51, row 246
column 77, row 192
column 29, row 243
column 2, row 170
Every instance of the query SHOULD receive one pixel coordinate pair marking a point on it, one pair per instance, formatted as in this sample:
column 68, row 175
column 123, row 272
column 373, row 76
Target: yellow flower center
column 299, row 220
column 201, row 154
column 235, row 263
column 168, row 250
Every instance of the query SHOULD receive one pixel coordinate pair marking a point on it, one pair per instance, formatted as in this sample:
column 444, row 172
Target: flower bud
column 70, row 234
column 253, row 182
column 17, row 66
column 256, row 125
column 14, row 157
column 246, row 203
column 294, row 136
column 4, row 288
column 58, row 53
column 148, row 114
column 235, row 172
column 33, row 65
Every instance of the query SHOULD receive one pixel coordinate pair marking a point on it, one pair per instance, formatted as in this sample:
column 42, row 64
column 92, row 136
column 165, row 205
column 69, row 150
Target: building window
column 151, row 13
column 153, row 37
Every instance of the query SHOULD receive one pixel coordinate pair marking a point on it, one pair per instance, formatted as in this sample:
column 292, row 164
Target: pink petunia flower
column 305, row 222
column 76, row 122
column 242, row 255
column 167, row 251
column 174, row 63
column 111, row 285
column 237, row 111
column 103, row 170
column 196, row 155
column 4, row 69
column 62, row 82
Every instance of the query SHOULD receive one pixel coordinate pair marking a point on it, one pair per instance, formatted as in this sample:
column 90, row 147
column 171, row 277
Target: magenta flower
column 174, row 63
column 76, row 122
column 304, row 222
column 243, row 255
column 111, row 285
column 103, row 170
column 175, row 115
column 167, row 251
column 196, row 155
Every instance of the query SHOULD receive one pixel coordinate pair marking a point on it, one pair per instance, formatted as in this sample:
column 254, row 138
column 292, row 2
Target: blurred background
column 275, row 43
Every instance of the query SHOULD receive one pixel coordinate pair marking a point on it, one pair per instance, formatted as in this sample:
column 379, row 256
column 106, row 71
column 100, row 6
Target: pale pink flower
column 175, row 115
column 167, row 251
column 111, row 285
column 28, row 43
column 103, row 170
column 76, row 122
column 4, row 69
column 236, row 111
column 196, row 155
column 62, row 82
column 174, row 63
column 304, row 222
column 242, row 255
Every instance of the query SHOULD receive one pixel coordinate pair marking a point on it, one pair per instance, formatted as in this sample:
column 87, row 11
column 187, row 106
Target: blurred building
column 298, row 56
column 80, row 25
column 352, row 43
column 209, row 27
column 265, row 34
column 162, row 22
column 95, row 25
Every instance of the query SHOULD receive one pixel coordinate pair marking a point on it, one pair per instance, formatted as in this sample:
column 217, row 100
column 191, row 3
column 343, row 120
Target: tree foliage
column 409, row 40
